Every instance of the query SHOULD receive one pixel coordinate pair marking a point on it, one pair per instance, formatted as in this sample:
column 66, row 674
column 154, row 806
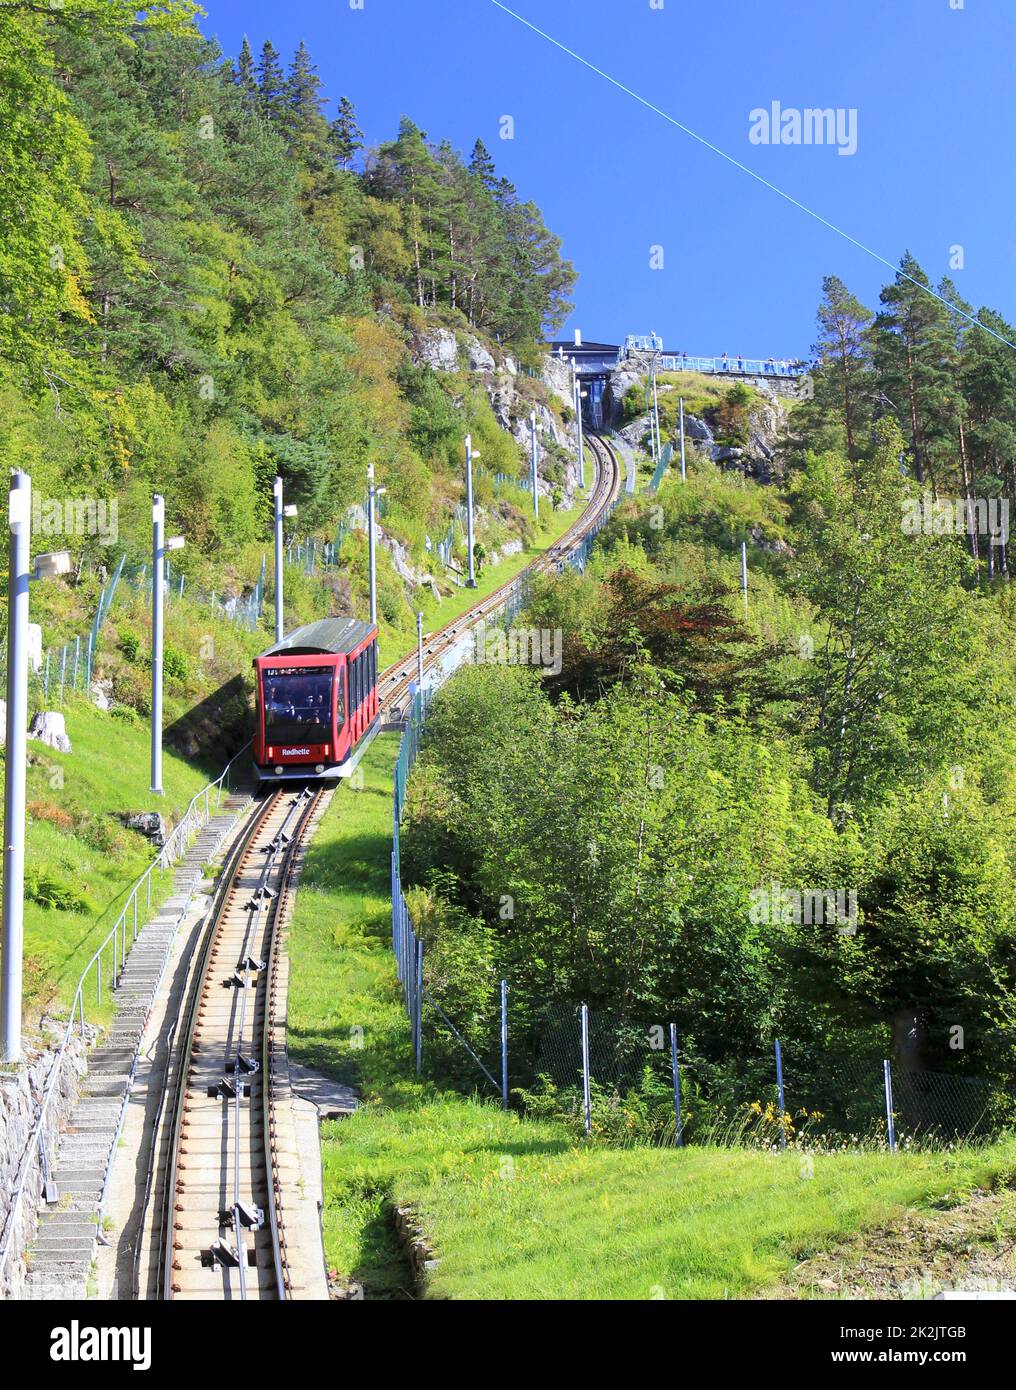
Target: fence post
column 419, row 1007
column 63, row 670
column 585, row 1068
column 887, row 1078
column 504, row 1044
column 677, row 1084
column 779, row 1089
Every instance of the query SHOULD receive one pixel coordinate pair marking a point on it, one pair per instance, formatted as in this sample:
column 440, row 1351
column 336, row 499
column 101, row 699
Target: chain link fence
column 633, row 1079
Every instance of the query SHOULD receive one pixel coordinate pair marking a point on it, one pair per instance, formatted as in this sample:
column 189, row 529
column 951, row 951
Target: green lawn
column 81, row 851
column 515, row 1208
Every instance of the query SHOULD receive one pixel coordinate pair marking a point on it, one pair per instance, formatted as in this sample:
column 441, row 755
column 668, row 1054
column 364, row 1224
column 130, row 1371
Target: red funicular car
column 317, row 701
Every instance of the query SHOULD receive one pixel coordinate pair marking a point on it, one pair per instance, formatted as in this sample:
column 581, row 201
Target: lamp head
column 53, row 564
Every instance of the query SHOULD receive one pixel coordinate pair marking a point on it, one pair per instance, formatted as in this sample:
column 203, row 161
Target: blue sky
column 742, row 269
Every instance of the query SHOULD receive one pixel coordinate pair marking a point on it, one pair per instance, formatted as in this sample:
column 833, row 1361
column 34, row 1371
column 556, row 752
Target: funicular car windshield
column 298, row 704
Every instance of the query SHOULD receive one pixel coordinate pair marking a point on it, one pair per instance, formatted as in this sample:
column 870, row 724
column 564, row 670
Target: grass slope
column 517, row 1209
column 79, row 849
column 397, row 642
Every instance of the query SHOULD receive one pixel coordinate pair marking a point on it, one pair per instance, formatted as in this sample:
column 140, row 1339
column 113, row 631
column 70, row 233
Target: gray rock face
column 439, row 350
column 102, row 694
column 556, row 376
column 480, row 360
column 621, row 380
column 147, row 823
column 48, row 727
column 697, row 429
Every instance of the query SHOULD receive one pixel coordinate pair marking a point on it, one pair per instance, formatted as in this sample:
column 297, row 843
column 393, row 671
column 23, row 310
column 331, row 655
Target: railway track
column 223, row 1220
column 221, row 1230
column 395, row 682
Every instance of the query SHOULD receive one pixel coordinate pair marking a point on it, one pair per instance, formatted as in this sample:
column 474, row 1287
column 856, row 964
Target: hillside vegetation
column 788, row 819
column 215, row 280
column 521, row 1208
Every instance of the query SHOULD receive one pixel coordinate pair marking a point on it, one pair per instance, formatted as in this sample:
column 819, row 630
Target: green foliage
column 174, row 663
column 47, row 888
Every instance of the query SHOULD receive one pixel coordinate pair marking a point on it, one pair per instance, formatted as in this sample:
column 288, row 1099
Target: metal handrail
column 117, row 935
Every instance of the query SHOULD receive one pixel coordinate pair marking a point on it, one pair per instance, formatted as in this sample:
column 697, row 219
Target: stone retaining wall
column 21, row 1093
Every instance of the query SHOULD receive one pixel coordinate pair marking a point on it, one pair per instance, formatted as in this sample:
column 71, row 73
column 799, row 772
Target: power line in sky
column 745, row 169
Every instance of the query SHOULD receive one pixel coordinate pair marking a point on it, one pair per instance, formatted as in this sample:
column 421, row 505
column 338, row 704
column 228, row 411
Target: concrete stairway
column 61, row 1257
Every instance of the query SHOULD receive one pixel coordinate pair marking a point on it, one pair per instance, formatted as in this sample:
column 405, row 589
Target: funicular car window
column 298, row 704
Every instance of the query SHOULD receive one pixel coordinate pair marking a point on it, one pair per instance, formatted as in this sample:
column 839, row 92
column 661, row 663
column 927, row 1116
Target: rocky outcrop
column 479, row 359
column 102, row 694
column 556, row 376
column 439, row 350
column 48, row 727
column 147, row 823
column 758, row 457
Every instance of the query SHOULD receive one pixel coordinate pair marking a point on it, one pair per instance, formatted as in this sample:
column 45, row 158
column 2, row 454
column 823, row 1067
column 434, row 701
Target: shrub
column 130, row 644
column 174, row 663
column 132, row 690
column 45, row 887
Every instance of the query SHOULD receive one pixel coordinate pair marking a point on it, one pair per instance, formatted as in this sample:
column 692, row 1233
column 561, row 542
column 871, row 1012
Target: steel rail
column 254, row 981
column 395, row 680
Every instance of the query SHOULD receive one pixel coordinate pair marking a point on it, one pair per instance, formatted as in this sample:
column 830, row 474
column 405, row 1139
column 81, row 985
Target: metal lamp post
column 12, row 945
column 680, row 420
column 656, row 415
column 419, row 653
column 470, row 455
column 577, row 395
column 280, row 513
column 277, row 491
column 160, row 548
column 533, row 431
column 373, row 493
column 14, row 788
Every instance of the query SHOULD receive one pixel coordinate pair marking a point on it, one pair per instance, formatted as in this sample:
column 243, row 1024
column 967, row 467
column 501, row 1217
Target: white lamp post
column 12, row 944
column 372, row 494
column 470, row 455
column 160, row 547
column 533, row 431
column 280, row 512
column 419, row 653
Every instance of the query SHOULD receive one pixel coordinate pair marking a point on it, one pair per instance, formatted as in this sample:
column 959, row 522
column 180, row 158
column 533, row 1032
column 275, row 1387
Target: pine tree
column 245, row 75
column 913, row 339
column 481, row 166
column 344, row 135
column 843, row 378
column 272, row 85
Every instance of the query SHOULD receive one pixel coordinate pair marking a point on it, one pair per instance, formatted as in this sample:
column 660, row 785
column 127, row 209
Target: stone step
column 80, row 1176
column 39, row 1289
column 111, row 1056
column 112, row 1085
column 71, row 1221
column 71, row 1247
column 53, row 1262
column 83, row 1155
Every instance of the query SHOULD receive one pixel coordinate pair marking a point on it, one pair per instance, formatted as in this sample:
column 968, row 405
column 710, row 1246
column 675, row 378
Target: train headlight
column 279, row 771
column 319, row 767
